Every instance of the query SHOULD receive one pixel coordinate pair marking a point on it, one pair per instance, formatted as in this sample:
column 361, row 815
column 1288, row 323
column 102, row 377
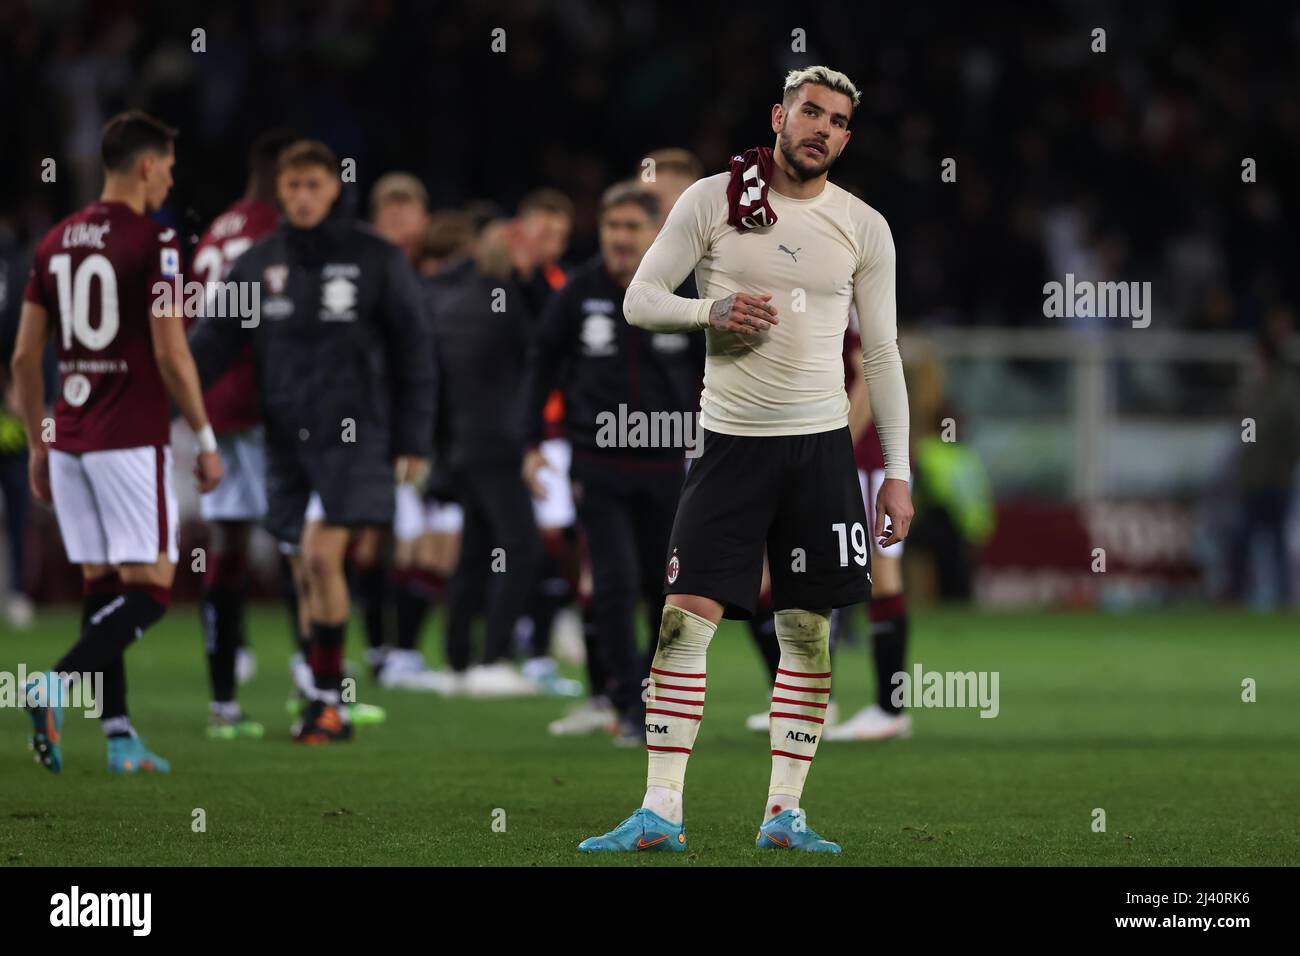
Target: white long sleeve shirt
column 822, row 255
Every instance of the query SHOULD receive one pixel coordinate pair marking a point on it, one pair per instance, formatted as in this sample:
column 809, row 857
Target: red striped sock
column 675, row 698
column 800, row 696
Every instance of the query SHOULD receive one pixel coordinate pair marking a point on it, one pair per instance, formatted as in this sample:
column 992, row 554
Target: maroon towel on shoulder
column 747, row 205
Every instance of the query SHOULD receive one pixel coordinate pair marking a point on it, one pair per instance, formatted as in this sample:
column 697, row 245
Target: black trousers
column 13, row 488
column 626, row 511
column 499, row 556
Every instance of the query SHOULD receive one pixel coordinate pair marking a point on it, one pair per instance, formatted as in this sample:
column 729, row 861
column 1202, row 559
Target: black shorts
column 354, row 488
column 798, row 497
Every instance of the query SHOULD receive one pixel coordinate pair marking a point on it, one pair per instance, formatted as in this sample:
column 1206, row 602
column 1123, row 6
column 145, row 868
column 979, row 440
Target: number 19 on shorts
column 859, row 537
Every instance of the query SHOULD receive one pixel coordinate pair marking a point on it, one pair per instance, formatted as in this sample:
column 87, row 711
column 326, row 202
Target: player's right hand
column 208, row 470
column 744, row 313
column 38, row 469
column 534, row 462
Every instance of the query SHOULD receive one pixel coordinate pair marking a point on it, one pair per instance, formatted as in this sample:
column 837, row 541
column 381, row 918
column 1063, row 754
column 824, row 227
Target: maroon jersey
column 94, row 274
column 231, row 400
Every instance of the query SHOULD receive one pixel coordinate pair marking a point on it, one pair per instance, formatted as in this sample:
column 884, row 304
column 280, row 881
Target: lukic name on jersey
column 85, row 235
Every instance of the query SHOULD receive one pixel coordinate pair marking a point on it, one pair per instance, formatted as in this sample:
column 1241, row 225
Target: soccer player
column 345, row 372
column 239, row 501
column 482, row 325
column 779, row 254
column 538, row 237
column 426, row 532
column 107, row 465
column 674, row 169
column 399, row 212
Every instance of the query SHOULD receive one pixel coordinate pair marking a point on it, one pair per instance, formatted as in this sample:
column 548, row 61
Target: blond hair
column 822, row 76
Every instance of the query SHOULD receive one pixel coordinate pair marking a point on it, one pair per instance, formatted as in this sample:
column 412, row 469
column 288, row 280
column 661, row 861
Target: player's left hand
column 208, row 470
column 411, row 470
column 893, row 501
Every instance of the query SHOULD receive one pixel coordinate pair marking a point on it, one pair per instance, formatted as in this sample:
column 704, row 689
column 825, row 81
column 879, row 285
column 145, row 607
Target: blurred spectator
column 954, row 507
column 1270, row 406
column 1125, row 164
column 14, row 495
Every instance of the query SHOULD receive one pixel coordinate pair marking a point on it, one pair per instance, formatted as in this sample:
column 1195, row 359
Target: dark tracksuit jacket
column 345, row 365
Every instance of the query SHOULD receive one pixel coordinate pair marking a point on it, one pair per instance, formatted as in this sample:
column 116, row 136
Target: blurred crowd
column 1123, row 164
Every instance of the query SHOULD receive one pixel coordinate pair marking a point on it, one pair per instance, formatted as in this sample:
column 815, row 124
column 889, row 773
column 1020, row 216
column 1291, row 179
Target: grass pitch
column 1140, row 715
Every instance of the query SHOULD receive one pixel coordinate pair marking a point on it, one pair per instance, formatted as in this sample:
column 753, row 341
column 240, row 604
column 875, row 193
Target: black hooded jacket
column 342, row 336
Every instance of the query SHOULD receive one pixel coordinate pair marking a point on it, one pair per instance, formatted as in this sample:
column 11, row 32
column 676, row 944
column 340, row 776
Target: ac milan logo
column 673, row 567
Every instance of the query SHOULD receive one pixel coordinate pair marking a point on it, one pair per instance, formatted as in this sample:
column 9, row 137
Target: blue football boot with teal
column 789, row 830
column 129, row 755
column 46, row 715
column 643, row 830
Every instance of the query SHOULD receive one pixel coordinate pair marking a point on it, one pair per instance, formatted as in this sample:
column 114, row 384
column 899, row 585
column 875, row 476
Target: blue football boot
column 789, row 830
column 129, row 755
column 44, row 710
column 643, row 830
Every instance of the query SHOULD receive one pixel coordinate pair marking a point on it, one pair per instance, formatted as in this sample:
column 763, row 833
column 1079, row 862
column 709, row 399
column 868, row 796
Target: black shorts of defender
column 798, row 497
column 356, row 489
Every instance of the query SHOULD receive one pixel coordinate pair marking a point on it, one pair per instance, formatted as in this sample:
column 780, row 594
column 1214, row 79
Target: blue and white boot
column 643, row 830
column 129, row 755
column 44, row 699
column 789, row 830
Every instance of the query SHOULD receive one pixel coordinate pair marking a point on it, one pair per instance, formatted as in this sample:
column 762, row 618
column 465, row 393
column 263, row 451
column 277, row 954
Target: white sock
column 675, row 704
column 799, row 702
column 117, row 727
column 664, row 801
column 779, row 803
column 227, row 710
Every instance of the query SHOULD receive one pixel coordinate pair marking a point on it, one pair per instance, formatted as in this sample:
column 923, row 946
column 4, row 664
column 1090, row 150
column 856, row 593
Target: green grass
column 1140, row 715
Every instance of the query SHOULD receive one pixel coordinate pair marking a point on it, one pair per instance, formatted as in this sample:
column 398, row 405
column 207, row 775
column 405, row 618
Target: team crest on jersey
column 170, row 263
column 76, row 389
column 674, row 567
column 275, row 278
column 338, row 299
column 597, row 335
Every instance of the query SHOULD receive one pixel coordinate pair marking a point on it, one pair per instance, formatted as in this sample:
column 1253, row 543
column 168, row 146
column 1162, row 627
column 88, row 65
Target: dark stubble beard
column 803, row 171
